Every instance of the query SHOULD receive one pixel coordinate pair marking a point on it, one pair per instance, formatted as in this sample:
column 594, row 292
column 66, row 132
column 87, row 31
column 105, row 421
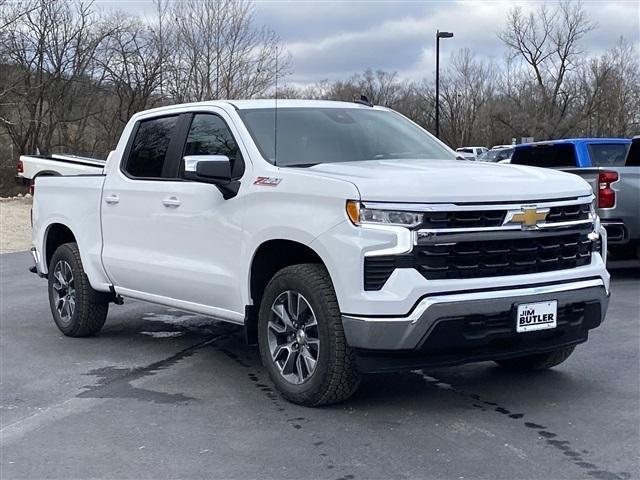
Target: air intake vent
column 377, row 271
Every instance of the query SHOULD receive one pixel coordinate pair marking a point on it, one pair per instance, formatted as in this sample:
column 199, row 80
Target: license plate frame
column 536, row 316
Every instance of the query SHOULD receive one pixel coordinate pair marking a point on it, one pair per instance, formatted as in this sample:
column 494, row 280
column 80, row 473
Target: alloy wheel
column 293, row 337
column 64, row 291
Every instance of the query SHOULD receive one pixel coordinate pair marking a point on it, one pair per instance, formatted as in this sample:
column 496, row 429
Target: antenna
column 275, row 117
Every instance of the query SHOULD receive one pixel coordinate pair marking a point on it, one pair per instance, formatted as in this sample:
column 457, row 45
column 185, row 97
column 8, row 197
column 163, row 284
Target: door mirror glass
column 208, row 168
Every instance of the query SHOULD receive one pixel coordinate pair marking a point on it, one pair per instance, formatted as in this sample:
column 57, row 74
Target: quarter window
column 149, row 149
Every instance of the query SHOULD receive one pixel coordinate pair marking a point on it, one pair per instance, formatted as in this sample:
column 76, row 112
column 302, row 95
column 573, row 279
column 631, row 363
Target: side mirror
column 214, row 169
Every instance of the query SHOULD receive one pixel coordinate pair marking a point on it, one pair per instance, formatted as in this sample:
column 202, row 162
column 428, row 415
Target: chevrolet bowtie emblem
column 528, row 217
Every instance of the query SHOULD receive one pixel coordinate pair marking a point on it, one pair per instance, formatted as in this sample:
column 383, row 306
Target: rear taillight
column 32, row 188
column 20, row 167
column 606, row 195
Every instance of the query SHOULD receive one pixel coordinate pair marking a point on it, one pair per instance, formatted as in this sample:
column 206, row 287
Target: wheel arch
column 270, row 257
column 56, row 234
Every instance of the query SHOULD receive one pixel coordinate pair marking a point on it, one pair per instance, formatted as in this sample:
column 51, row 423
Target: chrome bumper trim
column 425, row 303
column 406, row 332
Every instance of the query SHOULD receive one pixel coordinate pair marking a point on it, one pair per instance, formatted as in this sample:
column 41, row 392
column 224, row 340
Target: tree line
column 71, row 75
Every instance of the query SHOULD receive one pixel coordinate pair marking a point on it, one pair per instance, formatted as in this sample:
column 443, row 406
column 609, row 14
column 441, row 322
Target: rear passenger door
column 137, row 204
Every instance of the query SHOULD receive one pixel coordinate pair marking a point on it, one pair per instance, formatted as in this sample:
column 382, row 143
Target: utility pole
column 439, row 35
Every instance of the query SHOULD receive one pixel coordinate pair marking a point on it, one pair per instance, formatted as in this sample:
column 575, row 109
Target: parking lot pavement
column 164, row 394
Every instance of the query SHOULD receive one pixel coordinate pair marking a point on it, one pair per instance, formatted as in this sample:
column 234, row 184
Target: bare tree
column 50, row 50
column 466, row 88
column 216, row 51
column 612, row 85
column 548, row 41
column 130, row 60
column 12, row 11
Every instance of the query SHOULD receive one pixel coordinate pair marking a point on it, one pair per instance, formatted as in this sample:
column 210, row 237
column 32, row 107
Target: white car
column 350, row 241
column 471, row 152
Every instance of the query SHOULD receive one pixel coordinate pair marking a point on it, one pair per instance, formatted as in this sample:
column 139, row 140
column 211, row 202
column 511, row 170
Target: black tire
column 540, row 361
column 89, row 312
column 335, row 377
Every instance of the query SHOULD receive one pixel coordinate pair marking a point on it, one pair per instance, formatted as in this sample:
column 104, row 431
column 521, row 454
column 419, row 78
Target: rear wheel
column 77, row 309
column 302, row 343
column 540, row 361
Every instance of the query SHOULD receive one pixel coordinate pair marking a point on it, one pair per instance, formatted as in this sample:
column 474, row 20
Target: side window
column 149, row 149
column 209, row 135
column 546, row 155
column 607, row 154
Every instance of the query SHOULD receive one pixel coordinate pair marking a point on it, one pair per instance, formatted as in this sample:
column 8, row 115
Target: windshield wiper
column 300, row 165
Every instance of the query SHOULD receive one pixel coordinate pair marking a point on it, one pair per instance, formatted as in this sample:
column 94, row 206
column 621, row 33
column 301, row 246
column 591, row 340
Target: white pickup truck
column 347, row 240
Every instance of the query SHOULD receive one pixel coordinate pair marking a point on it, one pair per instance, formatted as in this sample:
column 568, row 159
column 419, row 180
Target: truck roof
column 262, row 103
column 574, row 141
column 291, row 103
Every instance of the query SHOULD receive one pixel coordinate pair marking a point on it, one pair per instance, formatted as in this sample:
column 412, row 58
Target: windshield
column 496, row 155
column 308, row 136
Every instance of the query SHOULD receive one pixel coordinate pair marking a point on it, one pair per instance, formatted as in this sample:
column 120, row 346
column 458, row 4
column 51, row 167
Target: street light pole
column 439, row 35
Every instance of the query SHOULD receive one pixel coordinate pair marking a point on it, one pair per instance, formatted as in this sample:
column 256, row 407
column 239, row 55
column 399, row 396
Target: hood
column 453, row 181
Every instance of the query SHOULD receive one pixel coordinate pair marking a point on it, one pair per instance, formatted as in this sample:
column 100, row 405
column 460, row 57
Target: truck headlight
column 361, row 215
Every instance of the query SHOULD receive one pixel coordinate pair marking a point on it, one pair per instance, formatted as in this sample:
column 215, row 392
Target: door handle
column 112, row 199
column 171, row 202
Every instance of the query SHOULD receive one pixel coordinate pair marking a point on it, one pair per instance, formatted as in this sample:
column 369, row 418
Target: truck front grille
column 492, row 258
column 568, row 213
column 464, row 219
column 473, row 241
column 494, row 218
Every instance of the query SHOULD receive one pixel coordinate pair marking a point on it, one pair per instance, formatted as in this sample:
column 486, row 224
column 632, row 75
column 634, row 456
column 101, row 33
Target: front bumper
column 491, row 308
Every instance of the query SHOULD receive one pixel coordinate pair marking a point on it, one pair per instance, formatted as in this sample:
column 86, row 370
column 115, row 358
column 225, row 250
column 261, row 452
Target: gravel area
column 15, row 224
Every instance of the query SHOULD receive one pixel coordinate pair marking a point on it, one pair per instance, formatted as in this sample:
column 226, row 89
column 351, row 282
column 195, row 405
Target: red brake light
column 606, row 195
column 20, row 167
column 32, row 188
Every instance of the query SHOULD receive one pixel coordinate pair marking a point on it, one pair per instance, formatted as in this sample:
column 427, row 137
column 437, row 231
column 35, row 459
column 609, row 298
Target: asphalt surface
column 164, row 394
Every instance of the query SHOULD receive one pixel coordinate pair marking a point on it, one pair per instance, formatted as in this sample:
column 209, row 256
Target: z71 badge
column 267, row 181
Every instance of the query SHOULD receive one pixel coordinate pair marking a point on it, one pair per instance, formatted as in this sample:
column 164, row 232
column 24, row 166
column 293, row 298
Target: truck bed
column 32, row 166
column 73, row 202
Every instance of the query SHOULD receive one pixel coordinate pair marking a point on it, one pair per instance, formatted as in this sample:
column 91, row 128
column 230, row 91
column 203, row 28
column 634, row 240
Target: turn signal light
column 353, row 211
column 606, row 195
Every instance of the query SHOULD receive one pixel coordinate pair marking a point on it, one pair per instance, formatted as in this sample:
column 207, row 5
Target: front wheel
column 301, row 339
column 77, row 309
column 540, row 361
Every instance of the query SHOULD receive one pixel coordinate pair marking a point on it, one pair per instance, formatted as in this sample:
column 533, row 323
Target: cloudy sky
column 335, row 39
